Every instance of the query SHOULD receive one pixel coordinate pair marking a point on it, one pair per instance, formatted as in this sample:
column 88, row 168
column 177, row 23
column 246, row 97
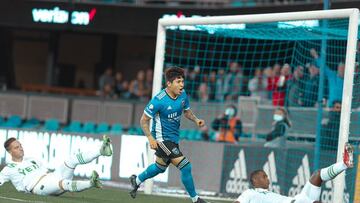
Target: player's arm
column 191, row 116
column 3, row 177
column 145, row 126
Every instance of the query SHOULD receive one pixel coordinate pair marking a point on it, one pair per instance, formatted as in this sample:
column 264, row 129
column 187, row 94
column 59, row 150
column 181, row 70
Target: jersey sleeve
column 3, row 177
column 153, row 107
column 243, row 198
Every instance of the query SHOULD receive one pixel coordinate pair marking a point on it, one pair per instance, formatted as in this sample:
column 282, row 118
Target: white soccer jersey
column 23, row 175
column 259, row 195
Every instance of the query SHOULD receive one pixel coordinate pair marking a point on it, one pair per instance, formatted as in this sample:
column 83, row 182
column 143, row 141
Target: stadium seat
column 134, row 130
column 184, row 134
column 74, row 126
column 89, row 127
column 116, row 129
column 13, row 121
column 190, row 135
column 1, row 121
column 31, row 123
column 52, row 125
column 102, row 128
column 212, row 135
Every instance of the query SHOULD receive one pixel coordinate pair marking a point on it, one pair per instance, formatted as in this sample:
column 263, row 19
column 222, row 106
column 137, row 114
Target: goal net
column 304, row 62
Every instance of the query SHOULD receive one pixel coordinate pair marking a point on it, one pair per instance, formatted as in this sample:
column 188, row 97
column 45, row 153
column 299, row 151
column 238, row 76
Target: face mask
column 230, row 112
column 278, row 117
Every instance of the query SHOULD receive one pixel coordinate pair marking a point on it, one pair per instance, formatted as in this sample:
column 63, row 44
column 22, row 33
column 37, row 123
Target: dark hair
column 174, row 72
column 336, row 102
column 286, row 116
column 254, row 174
column 8, row 142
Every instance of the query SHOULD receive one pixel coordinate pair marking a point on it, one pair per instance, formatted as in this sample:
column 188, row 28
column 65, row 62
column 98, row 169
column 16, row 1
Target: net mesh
column 258, row 68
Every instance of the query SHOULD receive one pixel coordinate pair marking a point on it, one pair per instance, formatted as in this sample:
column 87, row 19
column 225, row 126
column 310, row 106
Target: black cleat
column 201, row 201
column 134, row 186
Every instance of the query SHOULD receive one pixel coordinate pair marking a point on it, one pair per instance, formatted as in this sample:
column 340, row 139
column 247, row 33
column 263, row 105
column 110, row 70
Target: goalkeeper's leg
column 66, row 170
column 312, row 189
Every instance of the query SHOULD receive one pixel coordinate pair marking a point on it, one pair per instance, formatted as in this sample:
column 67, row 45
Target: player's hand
column 153, row 143
column 200, row 123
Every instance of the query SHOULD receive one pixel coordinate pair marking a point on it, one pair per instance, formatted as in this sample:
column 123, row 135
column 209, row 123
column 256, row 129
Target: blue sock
column 151, row 171
column 187, row 179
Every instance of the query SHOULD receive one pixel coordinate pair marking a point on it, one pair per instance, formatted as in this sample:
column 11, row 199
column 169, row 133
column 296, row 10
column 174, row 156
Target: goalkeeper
column 30, row 176
column 309, row 194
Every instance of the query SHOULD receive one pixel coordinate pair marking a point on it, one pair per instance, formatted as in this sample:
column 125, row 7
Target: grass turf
column 8, row 194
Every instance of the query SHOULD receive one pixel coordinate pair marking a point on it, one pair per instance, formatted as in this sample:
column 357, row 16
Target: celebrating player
column 309, row 194
column 30, row 176
column 165, row 109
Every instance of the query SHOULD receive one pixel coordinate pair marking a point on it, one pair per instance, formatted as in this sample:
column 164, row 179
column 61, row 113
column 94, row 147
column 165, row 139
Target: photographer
column 228, row 126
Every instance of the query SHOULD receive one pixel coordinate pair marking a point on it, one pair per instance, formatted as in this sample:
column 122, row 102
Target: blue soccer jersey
column 166, row 114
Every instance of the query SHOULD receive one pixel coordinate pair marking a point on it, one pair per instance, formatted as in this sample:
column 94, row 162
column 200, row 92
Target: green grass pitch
column 8, row 194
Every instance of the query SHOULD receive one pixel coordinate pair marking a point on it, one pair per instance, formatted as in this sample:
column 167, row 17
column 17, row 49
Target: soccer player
column 165, row 109
column 309, row 194
column 30, row 176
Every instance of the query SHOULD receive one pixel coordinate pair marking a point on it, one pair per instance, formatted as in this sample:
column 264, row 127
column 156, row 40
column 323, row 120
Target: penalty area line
column 19, row 200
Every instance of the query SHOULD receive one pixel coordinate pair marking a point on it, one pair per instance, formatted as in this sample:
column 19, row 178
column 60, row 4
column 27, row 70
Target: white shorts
column 309, row 193
column 48, row 185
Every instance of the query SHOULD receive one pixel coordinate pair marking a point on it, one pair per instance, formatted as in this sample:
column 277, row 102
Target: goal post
column 351, row 14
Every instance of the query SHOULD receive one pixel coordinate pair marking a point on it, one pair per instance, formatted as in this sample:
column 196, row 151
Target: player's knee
column 316, row 178
column 184, row 165
column 161, row 168
column 316, row 174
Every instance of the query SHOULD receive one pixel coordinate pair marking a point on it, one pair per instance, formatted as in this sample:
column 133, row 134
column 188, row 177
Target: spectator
column 220, row 84
column 234, row 82
column 280, row 125
column 212, row 86
column 268, row 73
column 295, row 87
column 356, row 89
column 330, row 128
column 335, row 78
column 279, row 91
column 193, row 82
column 203, row 92
column 106, row 79
column 273, row 78
column 137, row 86
column 311, row 88
column 108, row 92
column 258, row 84
column 149, row 82
column 120, row 85
column 228, row 126
column 126, row 94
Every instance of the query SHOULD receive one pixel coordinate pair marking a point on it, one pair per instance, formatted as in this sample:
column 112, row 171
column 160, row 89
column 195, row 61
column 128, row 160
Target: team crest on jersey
column 183, row 103
column 151, row 107
column 175, row 151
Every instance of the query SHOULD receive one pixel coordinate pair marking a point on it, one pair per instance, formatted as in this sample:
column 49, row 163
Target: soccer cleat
column 134, row 186
column 348, row 156
column 105, row 149
column 201, row 201
column 94, row 180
